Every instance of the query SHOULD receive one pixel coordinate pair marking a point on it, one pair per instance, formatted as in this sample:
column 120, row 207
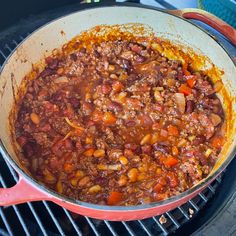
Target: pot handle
column 190, row 13
column 22, row 192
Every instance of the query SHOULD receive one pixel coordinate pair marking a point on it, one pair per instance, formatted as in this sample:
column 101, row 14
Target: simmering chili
column 119, row 123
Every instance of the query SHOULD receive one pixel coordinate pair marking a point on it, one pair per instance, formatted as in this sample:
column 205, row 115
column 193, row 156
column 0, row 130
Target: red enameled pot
column 167, row 24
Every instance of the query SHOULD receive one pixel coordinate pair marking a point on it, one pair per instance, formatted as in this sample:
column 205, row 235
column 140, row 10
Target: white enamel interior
column 44, row 40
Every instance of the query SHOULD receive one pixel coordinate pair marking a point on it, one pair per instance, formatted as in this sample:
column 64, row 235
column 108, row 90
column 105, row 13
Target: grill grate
column 46, row 218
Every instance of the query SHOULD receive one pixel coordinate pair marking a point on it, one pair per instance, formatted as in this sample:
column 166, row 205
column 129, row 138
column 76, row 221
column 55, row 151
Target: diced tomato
column 158, row 188
column 161, row 183
column 185, row 89
column 217, row 142
column 185, row 69
column 97, row 116
column 191, row 80
column 170, row 162
column 173, row 179
column 117, row 86
column 172, row 130
column 68, row 167
column 109, row 118
column 114, row 198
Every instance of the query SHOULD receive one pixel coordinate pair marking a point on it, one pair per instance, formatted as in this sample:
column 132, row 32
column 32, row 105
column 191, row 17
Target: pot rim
column 205, row 182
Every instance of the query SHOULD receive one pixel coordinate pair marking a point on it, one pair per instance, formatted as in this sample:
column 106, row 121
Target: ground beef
column 118, row 123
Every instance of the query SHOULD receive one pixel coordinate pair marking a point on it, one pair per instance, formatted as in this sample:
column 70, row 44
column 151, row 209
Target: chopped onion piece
column 73, row 125
column 109, row 167
column 208, row 152
column 180, row 101
column 61, row 79
column 215, row 119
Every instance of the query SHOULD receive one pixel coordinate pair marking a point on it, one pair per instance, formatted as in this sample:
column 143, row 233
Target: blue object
column 225, row 9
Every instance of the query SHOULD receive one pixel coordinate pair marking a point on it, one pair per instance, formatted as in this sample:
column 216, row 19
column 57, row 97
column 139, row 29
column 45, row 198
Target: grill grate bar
column 23, row 224
column 160, row 225
column 184, row 213
column 194, row 205
column 110, row 228
column 211, row 189
column 3, row 232
column 92, row 226
column 131, row 232
column 78, row 231
column 173, row 219
column 28, row 203
column 8, row 48
column 55, row 221
column 218, row 179
column 7, row 225
column 144, row 228
column 21, row 37
column 3, row 55
column 37, row 219
column 203, row 197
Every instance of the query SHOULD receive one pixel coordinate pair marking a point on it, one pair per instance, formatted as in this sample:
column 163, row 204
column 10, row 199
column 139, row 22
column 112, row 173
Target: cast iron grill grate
column 46, row 218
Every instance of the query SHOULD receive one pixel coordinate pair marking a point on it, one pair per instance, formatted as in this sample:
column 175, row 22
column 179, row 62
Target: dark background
column 12, row 11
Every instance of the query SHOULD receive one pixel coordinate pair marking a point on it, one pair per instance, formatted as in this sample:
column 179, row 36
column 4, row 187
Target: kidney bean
column 189, row 106
column 53, row 64
column 161, row 148
column 73, row 56
column 139, row 59
column 46, row 72
column 29, row 149
column 145, row 120
column 147, row 149
column 126, row 64
column 115, row 106
column 131, row 146
column 130, row 123
column 136, row 48
column 199, row 140
column 75, row 102
column 45, row 128
column 22, row 140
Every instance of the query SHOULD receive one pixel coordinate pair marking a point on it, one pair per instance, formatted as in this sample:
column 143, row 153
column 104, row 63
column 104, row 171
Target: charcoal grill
column 46, row 218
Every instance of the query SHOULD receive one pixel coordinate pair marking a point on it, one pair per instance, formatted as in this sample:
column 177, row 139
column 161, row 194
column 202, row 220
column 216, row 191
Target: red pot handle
column 22, row 192
column 210, row 19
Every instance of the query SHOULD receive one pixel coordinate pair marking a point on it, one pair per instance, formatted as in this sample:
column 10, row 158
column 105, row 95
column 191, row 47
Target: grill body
column 46, row 218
